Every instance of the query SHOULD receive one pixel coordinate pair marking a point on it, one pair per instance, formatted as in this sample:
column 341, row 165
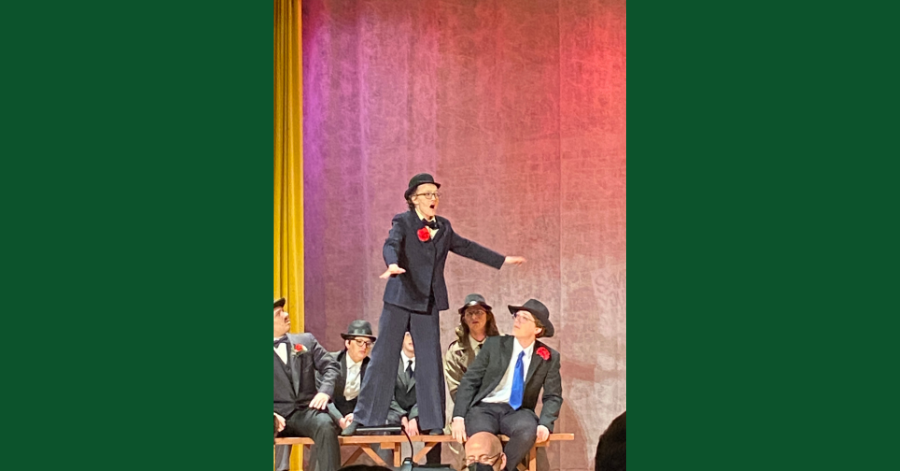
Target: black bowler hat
column 417, row 180
column 539, row 311
column 472, row 300
column 279, row 302
column 358, row 328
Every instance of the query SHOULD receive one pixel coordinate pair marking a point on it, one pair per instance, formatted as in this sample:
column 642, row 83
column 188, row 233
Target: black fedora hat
column 280, row 302
column 539, row 311
column 358, row 328
column 472, row 300
column 417, row 180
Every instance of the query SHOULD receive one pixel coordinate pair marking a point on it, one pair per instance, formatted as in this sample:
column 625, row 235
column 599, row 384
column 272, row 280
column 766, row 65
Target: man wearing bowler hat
column 500, row 390
column 353, row 359
column 415, row 253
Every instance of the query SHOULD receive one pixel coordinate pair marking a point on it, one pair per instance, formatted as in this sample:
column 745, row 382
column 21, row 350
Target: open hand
column 319, row 402
column 393, row 269
column 458, row 429
column 514, row 261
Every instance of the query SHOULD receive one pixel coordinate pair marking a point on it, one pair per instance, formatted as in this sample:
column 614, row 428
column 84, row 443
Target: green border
column 137, row 176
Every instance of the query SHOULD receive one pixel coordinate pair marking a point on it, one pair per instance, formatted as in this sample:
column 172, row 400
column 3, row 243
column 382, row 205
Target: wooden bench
column 363, row 444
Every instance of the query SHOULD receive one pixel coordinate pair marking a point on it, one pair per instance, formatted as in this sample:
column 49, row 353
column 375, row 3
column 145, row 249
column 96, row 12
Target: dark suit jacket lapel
column 362, row 370
column 536, row 361
column 341, row 381
column 401, row 376
column 506, row 349
column 296, row 367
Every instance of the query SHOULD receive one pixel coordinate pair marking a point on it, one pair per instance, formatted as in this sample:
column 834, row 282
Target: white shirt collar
column 422, row 216
column 406, row 360
column 351, row 363
column 517, row 347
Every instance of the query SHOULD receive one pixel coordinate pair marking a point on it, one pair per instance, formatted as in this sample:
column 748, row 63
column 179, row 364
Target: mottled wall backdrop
column 518, row 108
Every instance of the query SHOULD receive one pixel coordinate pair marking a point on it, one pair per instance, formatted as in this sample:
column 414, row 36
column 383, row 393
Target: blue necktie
column 518, row 389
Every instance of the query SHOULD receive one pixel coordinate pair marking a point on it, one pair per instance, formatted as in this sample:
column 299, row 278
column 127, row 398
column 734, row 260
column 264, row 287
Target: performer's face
column 358, row 348
column 524, row 326
column 408, row 345
column 282, row 322
column 424, row 202
column 475, row 319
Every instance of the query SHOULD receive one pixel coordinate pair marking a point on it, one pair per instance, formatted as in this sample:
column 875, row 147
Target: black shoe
column 351, row 429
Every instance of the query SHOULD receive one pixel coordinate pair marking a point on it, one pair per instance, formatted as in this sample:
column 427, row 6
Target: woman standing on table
column 415, row 253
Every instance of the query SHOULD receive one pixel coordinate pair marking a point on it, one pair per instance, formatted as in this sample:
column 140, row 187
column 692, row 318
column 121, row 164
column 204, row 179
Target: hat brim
column 280, row 302
column 548, row 326
column 353, row 336
column 412, row 189
column 474, row 303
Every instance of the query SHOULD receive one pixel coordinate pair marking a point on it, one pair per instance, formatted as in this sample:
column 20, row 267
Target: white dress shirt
column 475, row 344
column 503, row 390
column 406, row 360
column 351, row 386
column 281, row 350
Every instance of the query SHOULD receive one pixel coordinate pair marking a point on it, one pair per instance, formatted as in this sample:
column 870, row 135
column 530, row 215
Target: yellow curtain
column 288, row 217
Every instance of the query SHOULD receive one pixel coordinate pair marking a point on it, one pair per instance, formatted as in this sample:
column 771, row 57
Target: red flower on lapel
column 543, row 353
column 299, row 349
column 423, row 234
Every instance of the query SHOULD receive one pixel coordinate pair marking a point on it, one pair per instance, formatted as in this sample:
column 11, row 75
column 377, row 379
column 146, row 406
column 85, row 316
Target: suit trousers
column 319, row 426
column 519, row 425
column 381, row 374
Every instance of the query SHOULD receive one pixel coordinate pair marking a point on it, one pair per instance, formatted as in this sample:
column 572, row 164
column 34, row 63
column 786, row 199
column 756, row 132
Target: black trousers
column 374, row 399
column 519, row 425
column 319, row 426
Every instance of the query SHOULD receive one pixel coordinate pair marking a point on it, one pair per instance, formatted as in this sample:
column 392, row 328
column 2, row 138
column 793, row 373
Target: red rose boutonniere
column 543, row 353
column 299, row 349
column 423, row 234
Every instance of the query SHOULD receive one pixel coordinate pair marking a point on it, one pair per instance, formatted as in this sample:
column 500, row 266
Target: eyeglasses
column 363, row 343
column 430, row 196
column 516, row 315
column 483, row 459
column 475, row 312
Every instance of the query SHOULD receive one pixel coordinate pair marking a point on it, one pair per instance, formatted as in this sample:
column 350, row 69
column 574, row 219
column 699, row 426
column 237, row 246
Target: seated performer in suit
column 353, row 360
column 415, row 253
column 298, row 399
column 500, row 390
column 404, row 409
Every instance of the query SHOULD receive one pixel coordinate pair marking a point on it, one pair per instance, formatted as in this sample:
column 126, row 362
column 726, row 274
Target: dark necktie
column 281, row 340
column 431, row 224
column 478, row 348
column 518, row 387
column 410, row 373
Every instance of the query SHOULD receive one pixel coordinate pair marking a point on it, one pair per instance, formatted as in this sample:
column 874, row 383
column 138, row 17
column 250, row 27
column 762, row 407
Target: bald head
column 484, row 447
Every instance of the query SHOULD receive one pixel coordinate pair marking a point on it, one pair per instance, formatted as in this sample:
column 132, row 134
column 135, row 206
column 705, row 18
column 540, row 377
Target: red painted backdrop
column 518, row 108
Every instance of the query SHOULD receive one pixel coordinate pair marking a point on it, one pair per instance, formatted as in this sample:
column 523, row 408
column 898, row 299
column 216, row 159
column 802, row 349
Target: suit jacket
column 485, row 373
column 404, row 402
column 343, row 405
column 295, row 382
column 424, row 261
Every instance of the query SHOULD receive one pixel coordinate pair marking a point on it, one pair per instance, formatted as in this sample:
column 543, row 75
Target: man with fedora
column 500, row 390
column 300, row 399
column 415, row 253
column 353, row 359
